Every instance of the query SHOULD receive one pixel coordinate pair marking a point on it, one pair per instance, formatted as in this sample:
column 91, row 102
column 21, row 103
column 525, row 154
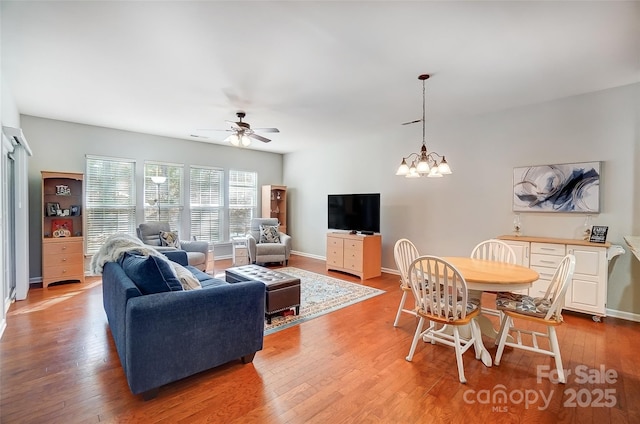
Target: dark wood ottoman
column 283, row 291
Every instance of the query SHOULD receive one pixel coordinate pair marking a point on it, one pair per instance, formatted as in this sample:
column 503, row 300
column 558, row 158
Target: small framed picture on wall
column 75, row 210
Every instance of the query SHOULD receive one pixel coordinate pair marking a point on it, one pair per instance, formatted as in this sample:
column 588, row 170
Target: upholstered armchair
column 197, row 251
column 263, row 247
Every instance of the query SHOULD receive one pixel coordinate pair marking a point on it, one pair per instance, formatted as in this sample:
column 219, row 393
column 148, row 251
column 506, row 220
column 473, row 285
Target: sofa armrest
column 173, row 335
column 251, row 243
column 177, row 256
column 195, row 246
column 286, row 240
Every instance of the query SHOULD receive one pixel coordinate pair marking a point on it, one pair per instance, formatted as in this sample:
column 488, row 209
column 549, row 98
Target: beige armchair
column 197, row 251
column 267, row 252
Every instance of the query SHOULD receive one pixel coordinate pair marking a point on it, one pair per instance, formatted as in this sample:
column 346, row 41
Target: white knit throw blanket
column 116, row 246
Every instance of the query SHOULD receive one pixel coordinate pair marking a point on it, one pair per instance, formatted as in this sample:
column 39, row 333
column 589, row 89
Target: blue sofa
column 164, row 337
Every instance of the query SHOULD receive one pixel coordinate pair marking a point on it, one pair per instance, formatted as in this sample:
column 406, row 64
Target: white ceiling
column 312, row 69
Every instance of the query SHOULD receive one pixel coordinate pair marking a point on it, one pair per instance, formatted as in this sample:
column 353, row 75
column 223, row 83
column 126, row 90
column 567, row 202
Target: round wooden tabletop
column 493, row 273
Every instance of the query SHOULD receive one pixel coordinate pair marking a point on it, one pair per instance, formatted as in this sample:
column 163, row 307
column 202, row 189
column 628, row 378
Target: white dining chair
column 404, row 252
column 544, row 311
column 442, row 297
column 493, row 250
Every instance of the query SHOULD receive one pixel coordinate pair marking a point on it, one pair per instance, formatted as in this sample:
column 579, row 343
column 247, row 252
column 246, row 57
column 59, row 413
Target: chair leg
column 477, row 338
column 404, row 298
column 416, row 337
column 456, row 338
column 555, row 348
column 504, row 332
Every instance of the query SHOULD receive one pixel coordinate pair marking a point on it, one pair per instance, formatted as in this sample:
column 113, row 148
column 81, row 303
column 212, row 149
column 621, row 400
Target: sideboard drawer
column 548, row 249
column 549, row 261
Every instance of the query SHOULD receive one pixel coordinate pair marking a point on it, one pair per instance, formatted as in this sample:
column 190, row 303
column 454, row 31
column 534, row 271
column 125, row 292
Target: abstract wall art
column 569, row 187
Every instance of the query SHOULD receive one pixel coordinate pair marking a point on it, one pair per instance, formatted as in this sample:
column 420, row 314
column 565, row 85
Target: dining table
column 485, row 275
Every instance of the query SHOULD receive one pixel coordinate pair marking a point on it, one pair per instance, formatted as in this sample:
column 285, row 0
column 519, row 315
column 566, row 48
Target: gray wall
column 448, row 216
column 62, row 146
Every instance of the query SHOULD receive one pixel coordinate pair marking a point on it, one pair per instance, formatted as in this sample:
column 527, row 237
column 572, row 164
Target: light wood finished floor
column 58, row 364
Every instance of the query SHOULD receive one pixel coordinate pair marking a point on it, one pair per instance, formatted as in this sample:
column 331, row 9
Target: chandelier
column 431, row 164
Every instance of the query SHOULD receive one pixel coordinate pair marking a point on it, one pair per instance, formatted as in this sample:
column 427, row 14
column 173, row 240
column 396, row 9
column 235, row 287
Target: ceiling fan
column 242, row 132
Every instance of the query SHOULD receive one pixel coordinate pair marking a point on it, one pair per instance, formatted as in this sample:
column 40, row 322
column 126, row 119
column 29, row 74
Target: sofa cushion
column 206, row 280
column 269, row 234
column 170, row 238
column 150, row 274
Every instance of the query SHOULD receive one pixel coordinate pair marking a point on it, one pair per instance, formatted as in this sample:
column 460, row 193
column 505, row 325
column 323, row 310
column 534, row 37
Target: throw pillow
column 151, row 274
column 186, row 278
column 170, row 238
column 269, row 234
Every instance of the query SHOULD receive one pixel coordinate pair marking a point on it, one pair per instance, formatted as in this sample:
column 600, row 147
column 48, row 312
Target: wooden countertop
column 556, row 240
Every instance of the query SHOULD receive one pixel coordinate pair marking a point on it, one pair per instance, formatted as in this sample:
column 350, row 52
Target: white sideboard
column 587, row 292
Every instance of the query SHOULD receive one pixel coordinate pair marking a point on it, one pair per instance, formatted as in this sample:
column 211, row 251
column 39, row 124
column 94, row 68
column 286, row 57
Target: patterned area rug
column 319, row 295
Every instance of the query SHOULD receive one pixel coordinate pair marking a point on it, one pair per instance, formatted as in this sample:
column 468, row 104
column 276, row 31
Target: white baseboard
column 309, row 255
column 391, row 271
column 629, row 316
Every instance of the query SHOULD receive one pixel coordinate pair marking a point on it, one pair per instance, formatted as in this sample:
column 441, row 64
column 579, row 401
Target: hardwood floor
column 58, row 364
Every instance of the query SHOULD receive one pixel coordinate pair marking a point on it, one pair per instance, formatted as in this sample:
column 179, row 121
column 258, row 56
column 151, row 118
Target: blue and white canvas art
column 569, row 187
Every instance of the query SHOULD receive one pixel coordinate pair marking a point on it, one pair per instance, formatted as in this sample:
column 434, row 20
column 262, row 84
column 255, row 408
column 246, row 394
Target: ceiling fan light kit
column 243, row 133
column 431, row 164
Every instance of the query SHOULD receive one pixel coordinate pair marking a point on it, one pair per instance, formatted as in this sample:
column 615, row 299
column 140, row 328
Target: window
column 243, row 195
column 163, row 201
column 206, row 204
column 111, row 200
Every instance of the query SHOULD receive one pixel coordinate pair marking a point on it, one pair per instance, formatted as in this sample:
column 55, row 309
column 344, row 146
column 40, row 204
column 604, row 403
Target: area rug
column 319, row 295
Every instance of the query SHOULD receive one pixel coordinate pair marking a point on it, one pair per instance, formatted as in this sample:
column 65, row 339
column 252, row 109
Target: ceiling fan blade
column 259, row 137
column 412, row 122
column 212, row 129
column 267, row 130
column 234, row 125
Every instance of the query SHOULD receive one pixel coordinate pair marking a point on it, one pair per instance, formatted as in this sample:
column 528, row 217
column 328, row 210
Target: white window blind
column 243, row 198
column 163, row 202
column 206, row 203
column 111, row 200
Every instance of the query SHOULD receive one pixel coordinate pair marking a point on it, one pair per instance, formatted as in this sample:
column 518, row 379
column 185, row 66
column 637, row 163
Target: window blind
column 110, row 200
column 163, row 202
column 206, row 205
column 243, row 199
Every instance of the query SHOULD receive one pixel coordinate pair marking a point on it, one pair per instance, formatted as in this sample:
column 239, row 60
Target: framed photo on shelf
column 598, row 234
column 75, row 210
column 52, row 208
column 63, row 190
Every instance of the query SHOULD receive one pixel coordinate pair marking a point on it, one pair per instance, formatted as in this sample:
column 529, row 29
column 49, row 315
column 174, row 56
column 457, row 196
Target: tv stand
column 359, row 255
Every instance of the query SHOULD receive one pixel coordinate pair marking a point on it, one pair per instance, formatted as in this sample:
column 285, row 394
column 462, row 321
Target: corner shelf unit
column 274, row 204
column 62, row 232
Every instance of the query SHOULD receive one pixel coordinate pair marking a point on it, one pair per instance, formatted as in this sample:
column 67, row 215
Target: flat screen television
column 354, row 212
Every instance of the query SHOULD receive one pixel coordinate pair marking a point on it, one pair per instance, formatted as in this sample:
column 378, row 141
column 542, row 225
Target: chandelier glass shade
column 431, row 164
